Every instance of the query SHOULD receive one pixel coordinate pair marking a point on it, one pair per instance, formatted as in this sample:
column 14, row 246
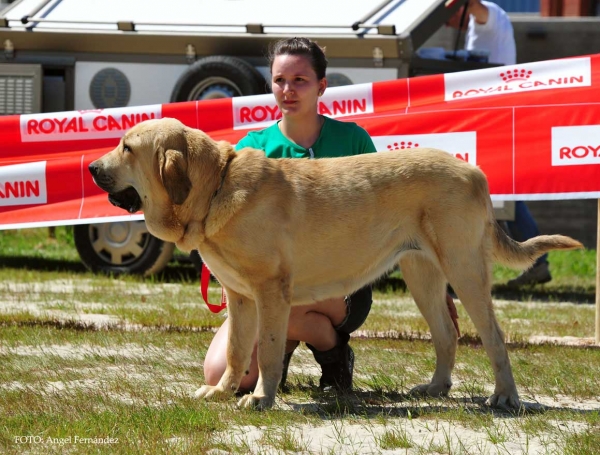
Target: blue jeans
column 524, row 227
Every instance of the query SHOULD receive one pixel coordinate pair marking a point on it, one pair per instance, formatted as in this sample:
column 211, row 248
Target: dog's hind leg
column 471, row 280
column 427, row 285
column 273, row 302
column 240, row 343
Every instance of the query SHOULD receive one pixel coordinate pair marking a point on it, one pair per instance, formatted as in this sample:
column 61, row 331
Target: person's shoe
column 450, row 291
column 286, row 364
column 337, row 365
column 538, row 274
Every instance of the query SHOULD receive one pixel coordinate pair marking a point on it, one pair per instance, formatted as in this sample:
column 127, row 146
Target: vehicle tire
column 121, row 247
column 217, row 77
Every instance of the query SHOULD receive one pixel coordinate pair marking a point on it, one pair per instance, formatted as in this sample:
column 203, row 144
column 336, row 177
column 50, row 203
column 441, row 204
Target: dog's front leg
column 240, row 343
column 273, row 306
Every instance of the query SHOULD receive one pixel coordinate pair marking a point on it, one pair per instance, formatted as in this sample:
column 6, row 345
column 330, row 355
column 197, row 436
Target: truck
column 65, row 55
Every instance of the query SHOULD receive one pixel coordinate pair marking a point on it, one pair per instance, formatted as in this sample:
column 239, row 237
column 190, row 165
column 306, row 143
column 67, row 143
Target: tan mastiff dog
column 282, row 232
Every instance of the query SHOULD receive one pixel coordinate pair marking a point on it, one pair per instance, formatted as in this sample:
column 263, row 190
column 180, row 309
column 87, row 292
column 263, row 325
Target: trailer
column 64, row 55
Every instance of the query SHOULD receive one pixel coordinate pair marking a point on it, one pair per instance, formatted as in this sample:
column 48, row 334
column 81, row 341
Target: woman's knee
column 215, row 360
column 214, row 364
column 212, row 374
column 214, row 368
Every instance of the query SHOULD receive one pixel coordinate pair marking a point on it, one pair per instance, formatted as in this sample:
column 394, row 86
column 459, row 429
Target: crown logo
column 402, row 145
column 515, row 75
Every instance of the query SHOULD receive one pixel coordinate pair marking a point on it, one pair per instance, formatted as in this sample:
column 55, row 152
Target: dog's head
column 149, row 166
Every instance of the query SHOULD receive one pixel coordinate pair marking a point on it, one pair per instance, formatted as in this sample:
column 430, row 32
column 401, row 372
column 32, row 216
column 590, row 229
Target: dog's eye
column 126, row 148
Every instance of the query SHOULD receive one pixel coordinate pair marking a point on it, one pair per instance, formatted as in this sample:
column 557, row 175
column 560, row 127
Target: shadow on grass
column 178, row 270
column 545, row 293
column 181, row 269
column 41, row 264
column 540, row 293
column 403, row 405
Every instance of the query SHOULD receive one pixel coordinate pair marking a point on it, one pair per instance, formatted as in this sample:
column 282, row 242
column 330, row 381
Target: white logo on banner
column 84, row 125
column 573, row 145
column 23, row 184
column 462, row 145
column 575, row 72
column 260, row 111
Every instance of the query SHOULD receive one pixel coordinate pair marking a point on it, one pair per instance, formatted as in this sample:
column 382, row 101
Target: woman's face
column 295, row 85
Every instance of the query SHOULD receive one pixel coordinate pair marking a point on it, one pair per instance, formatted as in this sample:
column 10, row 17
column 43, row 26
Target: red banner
column 534, row 129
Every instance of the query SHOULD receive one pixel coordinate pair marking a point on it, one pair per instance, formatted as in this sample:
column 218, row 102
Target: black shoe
column 341, row 380
column 286, row 364
column 451, row 292
column 337, row 365
column 538, row 274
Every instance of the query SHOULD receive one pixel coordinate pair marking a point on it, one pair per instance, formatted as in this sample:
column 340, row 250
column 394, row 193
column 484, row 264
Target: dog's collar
column 221, row 183
column 214, row 195
column 223, row 175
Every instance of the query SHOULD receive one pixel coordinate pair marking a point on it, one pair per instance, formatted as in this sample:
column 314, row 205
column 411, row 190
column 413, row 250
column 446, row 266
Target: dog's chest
column 228, row 276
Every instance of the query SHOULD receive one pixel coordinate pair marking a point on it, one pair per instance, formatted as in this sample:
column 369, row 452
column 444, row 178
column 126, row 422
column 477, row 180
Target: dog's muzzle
column 102, row 179
column 127, row 199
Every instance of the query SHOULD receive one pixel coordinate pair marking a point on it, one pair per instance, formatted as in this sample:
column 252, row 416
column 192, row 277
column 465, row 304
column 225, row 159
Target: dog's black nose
column 94, row 169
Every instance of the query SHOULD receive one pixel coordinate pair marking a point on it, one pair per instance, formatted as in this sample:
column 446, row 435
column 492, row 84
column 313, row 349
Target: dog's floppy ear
column 173, row 168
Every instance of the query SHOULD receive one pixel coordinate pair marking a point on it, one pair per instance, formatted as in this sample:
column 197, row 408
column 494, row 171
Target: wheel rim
column 213, row 88
column 120, row 243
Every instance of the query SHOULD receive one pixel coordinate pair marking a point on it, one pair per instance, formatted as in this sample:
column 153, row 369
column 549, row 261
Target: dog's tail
column 522, row 255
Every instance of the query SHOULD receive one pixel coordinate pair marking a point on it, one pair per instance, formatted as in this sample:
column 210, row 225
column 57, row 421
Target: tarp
column 534, row 130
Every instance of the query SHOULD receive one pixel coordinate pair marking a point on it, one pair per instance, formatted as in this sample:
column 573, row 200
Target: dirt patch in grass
column 71, row 341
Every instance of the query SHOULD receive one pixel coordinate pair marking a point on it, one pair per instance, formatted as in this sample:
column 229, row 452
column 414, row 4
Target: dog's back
column 350, row 219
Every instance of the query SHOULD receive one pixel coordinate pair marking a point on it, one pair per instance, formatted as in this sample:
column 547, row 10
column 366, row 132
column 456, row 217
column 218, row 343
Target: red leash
column 453, row 312
column 204, row 280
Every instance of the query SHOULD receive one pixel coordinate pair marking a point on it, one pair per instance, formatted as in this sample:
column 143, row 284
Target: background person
column 489, row 29
column 298, row 68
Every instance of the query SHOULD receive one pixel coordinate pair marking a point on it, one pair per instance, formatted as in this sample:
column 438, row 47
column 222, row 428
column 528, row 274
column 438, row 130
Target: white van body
column 365, row 41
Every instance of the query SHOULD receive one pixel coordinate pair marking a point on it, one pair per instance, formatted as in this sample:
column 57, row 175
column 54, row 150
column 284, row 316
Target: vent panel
column 20, row 89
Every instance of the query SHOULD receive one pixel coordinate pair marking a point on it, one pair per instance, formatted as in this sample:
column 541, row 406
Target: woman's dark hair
column 303, row 47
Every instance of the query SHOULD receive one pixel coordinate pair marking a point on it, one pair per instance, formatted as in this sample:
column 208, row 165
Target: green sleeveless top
column 336, row 139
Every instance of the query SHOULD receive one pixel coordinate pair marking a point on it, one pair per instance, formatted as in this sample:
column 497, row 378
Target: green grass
column 133, row 378
column 571, row 270
column 395, row 439
column 38, row 243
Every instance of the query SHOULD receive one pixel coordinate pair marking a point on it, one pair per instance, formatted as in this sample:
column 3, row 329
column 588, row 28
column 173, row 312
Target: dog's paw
column 256, row 402
column 212, row 393
column 508, row 401
column 431, row 390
